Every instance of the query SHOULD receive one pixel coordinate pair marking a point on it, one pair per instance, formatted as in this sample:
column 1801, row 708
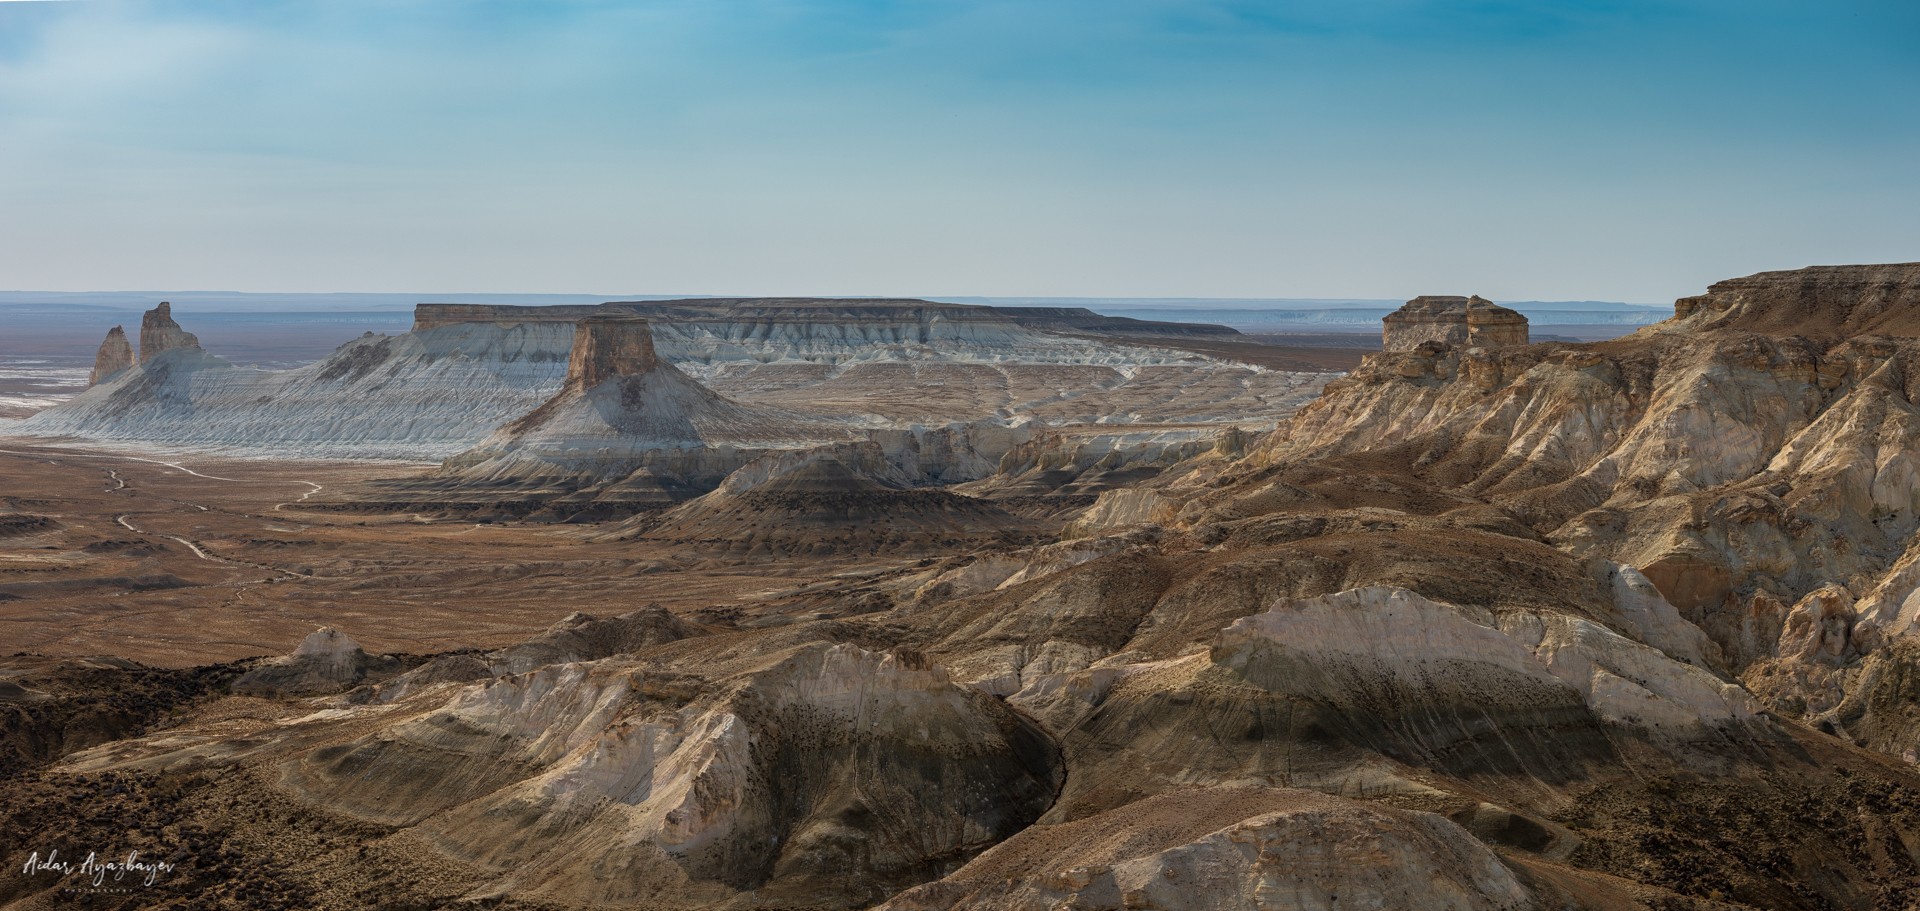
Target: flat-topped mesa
column 1452, row 320
column 114, row 356
column 724, row 309
column 608, row 346
column 1818, row 301
column 160, row 334
column 434, row 316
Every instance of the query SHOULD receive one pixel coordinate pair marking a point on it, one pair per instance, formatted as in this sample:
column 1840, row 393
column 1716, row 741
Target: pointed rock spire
column 115, row 355
column 160, row 334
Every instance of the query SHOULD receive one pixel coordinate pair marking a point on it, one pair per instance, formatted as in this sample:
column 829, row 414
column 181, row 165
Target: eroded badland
column 829, row 604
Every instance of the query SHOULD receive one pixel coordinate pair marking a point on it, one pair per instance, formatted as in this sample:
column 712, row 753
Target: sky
column 1625, row 150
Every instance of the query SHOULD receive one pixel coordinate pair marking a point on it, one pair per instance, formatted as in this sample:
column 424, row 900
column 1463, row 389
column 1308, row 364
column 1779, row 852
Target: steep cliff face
column 703, row 332
column 159, row 334
column 1699, row 451
column 115, row 355
column 608, row 346
column 1505, row 627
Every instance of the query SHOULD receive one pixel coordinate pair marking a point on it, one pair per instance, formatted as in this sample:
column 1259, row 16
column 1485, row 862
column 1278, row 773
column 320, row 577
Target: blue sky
column 1209, row 148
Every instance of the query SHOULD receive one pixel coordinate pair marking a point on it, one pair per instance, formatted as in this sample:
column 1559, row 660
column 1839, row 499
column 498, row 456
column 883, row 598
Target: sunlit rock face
column 115, row 355
column 1457, row 321
column 1720, row 460
column 1757, row 458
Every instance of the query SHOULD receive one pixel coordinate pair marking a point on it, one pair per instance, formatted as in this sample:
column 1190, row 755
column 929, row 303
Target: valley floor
column 179, row 561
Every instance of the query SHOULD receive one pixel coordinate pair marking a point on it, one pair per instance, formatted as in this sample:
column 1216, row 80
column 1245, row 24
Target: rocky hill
column 1442, row 319
column 626, row 424
column 843, row 498
column 1757, row 457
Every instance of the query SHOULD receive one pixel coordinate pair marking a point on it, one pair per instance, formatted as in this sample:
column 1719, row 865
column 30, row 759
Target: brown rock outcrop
column 1459, row 321
column 1819, row 302
column 1490, row 325
column 160, row 334
column 608, row 346
column 115, row 355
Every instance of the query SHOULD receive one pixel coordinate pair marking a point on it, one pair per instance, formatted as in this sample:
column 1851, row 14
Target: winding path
column 122, row 519
column 190, row 544
column 316, row 488
column 303, row 497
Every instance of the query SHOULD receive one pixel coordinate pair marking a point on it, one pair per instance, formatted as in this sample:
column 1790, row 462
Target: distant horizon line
column 444, row 297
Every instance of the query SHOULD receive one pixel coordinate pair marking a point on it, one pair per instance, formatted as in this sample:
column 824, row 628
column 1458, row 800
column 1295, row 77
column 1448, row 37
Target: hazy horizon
column 17, row 297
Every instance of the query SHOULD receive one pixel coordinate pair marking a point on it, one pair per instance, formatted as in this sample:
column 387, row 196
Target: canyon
column 802, row 603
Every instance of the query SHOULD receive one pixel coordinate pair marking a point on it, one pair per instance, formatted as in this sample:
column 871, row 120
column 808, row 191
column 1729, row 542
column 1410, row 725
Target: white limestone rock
column 327, row 661
column 1282, row 851
column 1395, row 636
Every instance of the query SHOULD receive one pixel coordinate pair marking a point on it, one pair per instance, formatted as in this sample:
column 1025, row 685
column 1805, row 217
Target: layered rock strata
column 1824, row 302
column 1484, row 627
column 1754, row 458
column 1267, row 848
column 1458, row 321
column 901, row 367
